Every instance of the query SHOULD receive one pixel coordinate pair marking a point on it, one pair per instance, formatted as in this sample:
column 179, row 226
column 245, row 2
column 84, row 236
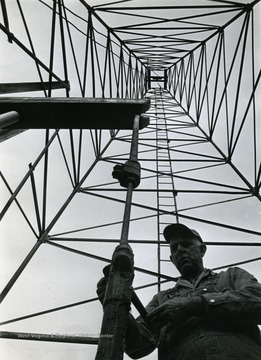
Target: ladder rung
column 164, row 205
column 165, row 197
column 163, row 260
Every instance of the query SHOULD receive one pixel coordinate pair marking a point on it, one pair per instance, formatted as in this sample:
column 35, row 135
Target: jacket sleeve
column 240, row 299
column 140, row 340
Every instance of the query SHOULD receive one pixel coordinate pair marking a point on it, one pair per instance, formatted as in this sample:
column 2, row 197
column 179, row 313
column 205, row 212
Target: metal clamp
column 127, row 173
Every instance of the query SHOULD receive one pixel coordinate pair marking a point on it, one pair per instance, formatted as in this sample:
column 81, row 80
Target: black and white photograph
column 130, row 175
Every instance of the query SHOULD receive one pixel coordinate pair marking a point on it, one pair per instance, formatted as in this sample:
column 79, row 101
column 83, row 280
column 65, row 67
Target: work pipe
column 118, row 294
column 8, row 118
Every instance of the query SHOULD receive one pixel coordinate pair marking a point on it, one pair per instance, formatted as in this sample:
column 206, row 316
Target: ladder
column 166, row 193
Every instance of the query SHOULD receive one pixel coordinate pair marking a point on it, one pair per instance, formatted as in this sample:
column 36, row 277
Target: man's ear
column 203, row 249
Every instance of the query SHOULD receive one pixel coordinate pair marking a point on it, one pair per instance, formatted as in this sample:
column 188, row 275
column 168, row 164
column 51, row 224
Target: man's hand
column 176, row 311
column 101, row 288
column 102, row 283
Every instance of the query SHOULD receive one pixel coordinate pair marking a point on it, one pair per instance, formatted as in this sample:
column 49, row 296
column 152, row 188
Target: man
column 205, row 316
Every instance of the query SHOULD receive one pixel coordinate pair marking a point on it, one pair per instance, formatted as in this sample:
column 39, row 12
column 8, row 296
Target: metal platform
column 75, row 113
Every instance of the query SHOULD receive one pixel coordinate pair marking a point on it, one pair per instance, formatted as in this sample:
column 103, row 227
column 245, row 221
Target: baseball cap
column 173, row 230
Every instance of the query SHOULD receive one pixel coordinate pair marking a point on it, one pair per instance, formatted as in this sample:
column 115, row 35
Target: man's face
column 186, row 255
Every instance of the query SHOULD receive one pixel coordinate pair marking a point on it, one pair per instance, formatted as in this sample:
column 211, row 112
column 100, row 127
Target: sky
column 55, row 277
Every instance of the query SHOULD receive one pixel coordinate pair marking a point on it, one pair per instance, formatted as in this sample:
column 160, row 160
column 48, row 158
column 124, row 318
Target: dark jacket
column 232, row 306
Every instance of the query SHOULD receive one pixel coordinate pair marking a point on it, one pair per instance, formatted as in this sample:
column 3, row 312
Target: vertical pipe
column 92, row 40
column 63, row 45
column 134, row 141
column 86, row 55
column 73, row 156
column 126, row 217
column 37, row 213
column 52, row 48
column 6, row 22
column 79, row 156
column 119, row 287
column 8, row 118
column 46, row 162
column 133, row 157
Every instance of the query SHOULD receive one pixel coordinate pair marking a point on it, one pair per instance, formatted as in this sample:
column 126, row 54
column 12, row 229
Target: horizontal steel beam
column 153, row 242
column 8, row 88
column 75, row 113
column 73, row 339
